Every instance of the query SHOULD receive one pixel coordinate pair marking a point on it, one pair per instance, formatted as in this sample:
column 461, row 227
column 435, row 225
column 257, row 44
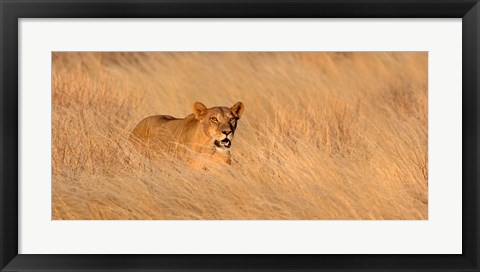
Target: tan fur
column 198, row 134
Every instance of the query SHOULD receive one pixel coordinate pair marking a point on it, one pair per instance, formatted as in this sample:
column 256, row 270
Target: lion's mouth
column 223, row 143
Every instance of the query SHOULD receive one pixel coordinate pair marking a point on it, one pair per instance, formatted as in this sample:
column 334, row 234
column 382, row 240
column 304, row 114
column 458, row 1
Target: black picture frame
column 12, row 10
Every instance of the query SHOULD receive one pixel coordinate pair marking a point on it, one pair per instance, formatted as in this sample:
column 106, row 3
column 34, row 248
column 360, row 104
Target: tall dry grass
column 323, row 135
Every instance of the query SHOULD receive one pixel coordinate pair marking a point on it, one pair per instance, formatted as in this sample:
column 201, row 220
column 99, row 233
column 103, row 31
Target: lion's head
column 219, row 123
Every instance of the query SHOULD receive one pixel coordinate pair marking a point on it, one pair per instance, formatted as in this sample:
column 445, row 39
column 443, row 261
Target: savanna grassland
column 323, row 135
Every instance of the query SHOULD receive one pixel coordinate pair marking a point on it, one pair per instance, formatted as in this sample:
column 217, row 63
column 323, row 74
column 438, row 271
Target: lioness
column 205, row 131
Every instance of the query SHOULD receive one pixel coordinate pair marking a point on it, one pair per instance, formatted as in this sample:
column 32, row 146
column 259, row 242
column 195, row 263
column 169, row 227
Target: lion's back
column 153, row 128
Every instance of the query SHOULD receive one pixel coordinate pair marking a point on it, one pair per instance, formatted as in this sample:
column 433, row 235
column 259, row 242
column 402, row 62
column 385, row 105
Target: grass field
column 323, row 135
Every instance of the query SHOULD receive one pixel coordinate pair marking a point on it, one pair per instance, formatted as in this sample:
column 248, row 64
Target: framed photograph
column 239, row 135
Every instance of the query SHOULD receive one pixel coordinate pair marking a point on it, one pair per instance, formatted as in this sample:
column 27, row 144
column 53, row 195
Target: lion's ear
column 199, row 110
column 237, row 109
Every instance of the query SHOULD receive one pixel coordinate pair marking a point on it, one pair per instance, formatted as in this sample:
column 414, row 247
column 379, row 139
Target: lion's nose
column 226, row 132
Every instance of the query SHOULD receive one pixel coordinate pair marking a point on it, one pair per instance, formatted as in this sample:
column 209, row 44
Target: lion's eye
column 214, row 119
column 232, row 119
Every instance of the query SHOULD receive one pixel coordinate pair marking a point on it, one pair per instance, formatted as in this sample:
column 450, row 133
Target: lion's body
column 195, row 134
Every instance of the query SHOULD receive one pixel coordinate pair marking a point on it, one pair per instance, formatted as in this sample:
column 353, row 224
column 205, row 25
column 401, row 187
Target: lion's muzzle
column 225, row 143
